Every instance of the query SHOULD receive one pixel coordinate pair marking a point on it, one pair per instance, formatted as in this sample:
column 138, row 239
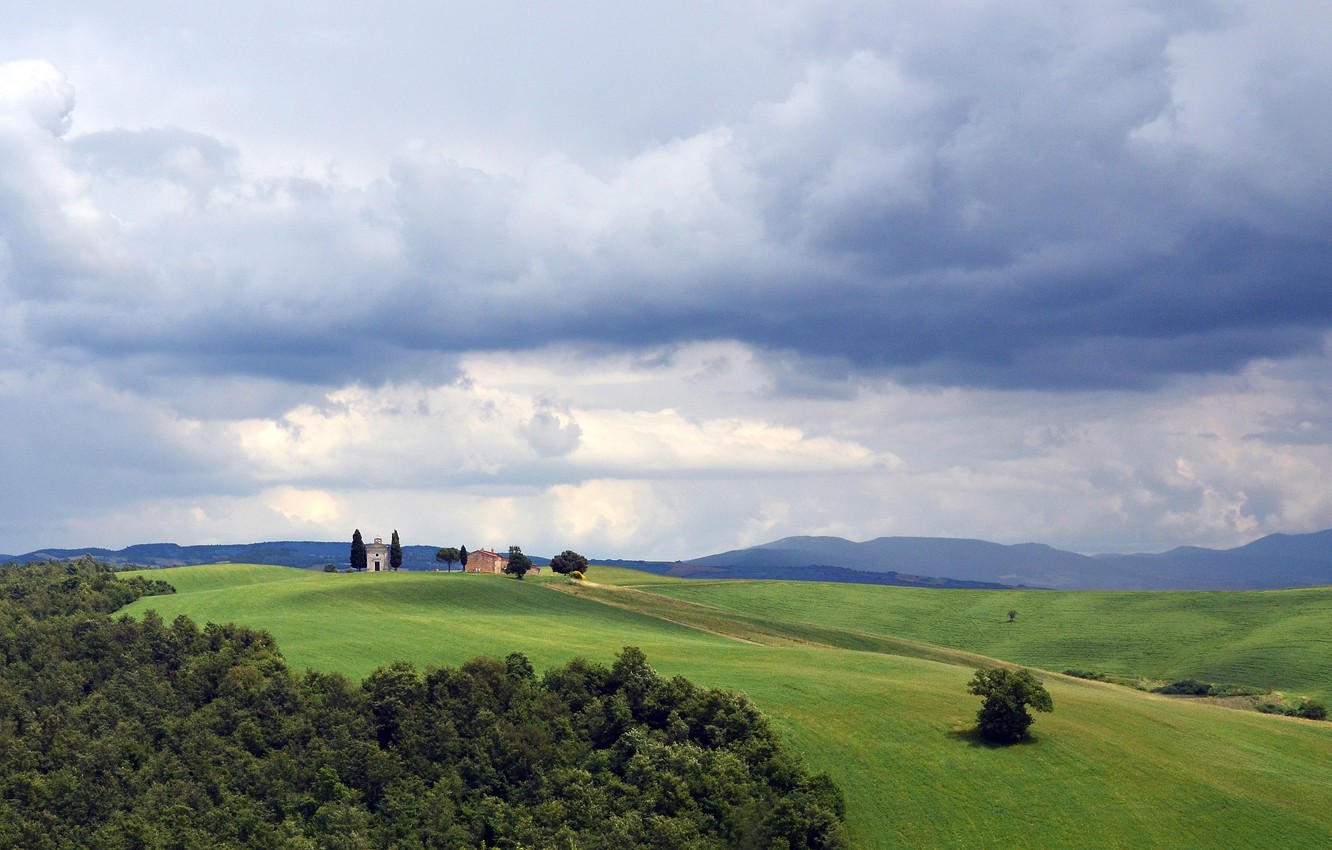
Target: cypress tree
column 462, row 557
column 395, row 552
column 357, row 552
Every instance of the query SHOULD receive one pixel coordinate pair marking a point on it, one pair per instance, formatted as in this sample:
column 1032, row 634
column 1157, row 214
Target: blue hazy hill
column 1278, row 560
column 307, row 554
column 1275, row 561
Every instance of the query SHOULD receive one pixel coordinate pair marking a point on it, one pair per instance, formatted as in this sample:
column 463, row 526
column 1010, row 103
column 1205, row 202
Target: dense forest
column 119, row 734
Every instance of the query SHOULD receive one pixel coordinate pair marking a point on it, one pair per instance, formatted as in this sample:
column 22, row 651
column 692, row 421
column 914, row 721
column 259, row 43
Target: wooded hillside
column 123, row 734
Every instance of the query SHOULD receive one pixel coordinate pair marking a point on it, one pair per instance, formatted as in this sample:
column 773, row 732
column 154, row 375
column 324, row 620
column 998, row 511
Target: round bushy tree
column 518, row 564
column 1003, row 717
column 567, row 562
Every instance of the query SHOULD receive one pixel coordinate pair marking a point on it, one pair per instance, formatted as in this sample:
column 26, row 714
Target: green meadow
column 869, row 683
column 1279, row 638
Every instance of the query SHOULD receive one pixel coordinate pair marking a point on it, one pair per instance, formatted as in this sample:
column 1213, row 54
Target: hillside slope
column 1262, row 639
column 1130, row 768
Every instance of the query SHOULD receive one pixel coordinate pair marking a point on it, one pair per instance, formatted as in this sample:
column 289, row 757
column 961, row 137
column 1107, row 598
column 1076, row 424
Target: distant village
column 378, row 556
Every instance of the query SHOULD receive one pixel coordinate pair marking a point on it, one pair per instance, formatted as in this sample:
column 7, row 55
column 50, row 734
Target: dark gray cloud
column 639, row 274
column 1015, row 198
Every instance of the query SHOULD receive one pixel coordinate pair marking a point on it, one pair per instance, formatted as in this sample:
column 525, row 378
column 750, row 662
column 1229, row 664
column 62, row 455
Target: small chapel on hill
column 377, row 556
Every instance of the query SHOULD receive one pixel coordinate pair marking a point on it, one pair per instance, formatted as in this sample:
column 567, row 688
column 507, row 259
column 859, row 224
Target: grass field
column 863, row 695
column 1279, row 638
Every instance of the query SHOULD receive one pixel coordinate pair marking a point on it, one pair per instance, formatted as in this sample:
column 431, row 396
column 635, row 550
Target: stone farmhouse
column 489, row 561
column 377, row 556
column 485, row 561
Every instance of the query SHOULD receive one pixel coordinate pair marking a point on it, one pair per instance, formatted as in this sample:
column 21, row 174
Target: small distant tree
column 395, row 551
column 518, row 564
column 1012, row 615
column 462, row 558
column 448, row 555
column 567, row 562
column 1003, row 717
column 357, row 551
column 330, row 568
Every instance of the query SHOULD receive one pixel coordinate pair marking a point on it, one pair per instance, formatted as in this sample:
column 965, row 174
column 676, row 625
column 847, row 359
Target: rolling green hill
column 852, row 681
column 1277, row 638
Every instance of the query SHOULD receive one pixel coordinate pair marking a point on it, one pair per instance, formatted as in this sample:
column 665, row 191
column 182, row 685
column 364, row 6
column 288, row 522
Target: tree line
column 118, row 734
column 567, row 562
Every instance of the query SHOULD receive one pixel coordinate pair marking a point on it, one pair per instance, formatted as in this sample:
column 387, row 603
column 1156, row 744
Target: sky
column 651, row 280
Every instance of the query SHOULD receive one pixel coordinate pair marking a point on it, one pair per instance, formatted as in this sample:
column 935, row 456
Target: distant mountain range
column 811, row 572
column 1278, row 560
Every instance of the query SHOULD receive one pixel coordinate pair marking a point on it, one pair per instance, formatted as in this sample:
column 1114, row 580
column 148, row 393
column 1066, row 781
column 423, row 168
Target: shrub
column 1187, row 688
column 1311, row 709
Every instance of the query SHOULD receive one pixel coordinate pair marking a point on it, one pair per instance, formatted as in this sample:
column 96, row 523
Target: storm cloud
column 1037, row 200
column 989, row 205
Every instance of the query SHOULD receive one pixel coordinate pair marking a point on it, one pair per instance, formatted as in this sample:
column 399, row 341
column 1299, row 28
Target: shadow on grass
column 972, row 738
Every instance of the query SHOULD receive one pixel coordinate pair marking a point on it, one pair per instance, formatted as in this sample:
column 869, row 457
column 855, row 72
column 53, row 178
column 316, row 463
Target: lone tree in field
column 518, row 564
column 462, row 558
column 567, row 562
column 448, row 555
column 357, row 552
column 1003, row 717
column 1012, row 615
column 395, row 552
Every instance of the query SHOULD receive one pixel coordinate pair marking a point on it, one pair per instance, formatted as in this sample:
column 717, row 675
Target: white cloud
column 666, row 442
column 491, row 429
column 1244, row 95
column 317, row 507
column 453, row 463
column 35, row 91
column 534, row 275
column 608, row 515
column 55, row 240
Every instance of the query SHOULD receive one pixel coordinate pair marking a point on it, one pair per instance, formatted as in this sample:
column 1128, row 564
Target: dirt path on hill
column 767, row 632
column 690, row 615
